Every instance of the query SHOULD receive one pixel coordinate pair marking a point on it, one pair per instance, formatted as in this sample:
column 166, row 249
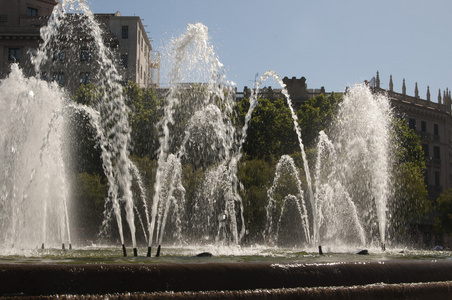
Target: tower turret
column 391, row 85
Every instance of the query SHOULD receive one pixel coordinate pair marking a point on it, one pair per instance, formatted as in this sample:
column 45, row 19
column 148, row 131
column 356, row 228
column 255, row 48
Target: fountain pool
column 105, row 255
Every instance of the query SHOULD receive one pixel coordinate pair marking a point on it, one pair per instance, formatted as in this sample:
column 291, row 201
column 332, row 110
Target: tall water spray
column 34, row 193
column 113, row 131
column 40, row 106
column 351, row 175
column 253, row 104
column 361, row 138
column 197, row 130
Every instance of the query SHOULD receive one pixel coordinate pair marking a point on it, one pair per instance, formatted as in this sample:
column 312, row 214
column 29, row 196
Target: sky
column 333, row 43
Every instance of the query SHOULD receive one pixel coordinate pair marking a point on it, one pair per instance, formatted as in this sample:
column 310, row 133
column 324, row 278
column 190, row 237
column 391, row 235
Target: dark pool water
column 114, row 255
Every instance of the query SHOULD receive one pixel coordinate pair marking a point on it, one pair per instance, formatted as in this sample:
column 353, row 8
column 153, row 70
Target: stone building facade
column 73, row 63
column 297, row 89
column 20, row 24
column 431, row 119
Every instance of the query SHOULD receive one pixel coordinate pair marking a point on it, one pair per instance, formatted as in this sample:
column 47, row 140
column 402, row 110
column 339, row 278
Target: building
column 297, row 89
column 134, row 47
column 126, row 37
column 20, row 23
column 432, row 121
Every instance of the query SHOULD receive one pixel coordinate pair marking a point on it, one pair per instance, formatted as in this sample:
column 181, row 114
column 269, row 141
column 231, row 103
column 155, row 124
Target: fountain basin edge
column 52, row 279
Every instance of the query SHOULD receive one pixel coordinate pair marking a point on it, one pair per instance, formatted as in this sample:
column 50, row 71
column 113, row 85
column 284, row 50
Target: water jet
column 149, row 252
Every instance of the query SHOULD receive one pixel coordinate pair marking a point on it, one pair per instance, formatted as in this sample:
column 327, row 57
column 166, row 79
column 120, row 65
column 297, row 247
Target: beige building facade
column 73, row 62
column 20, row 23
column 431, row 119
column 134, row 48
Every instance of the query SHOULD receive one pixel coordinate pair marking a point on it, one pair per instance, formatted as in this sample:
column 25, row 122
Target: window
column 437, row 178
column 435, row 129
column 426, row 150
column 125, row 60
column 85, row 78
column 86, row 55
column 32, row 12
column 436, row 152
column 58, row 77
column 14, row 54
column 58, row 55
column 423, row 126
column 125, row 32
column 412, row 124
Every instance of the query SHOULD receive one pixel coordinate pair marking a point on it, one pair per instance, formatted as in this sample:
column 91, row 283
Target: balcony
column 425, row 136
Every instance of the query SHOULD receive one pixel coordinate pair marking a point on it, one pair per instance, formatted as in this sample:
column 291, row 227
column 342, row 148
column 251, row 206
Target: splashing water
column 280, row 198
column 33, row 203
column 345, row 203
column 38, row 105
column 253, row 104
column 352, row 173
column 196, row 129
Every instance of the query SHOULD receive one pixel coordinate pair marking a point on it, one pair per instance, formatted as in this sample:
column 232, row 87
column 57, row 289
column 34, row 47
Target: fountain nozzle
column 124, row 250
column 320, row 250
column 135, row 252
column 149, row 252
column 158, row 251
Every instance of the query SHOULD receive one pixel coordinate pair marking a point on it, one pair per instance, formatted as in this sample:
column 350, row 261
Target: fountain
column 339, row 200
column 344, row 203
column 41, row 106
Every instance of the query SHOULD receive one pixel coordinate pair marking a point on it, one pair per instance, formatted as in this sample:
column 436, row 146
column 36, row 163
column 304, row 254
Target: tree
column 271, row 130
column 443, row 222
column 82, row 139
column 255, row 175
column 145, row 111
column 89, row 193
column 409, row 204
column 316, row 114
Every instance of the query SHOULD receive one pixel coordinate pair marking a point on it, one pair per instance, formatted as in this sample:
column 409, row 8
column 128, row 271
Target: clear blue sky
column 332, row 43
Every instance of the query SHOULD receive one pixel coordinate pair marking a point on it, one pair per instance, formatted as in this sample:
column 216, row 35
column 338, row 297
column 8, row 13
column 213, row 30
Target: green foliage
column 145, row 112
column 256, row 175
column 409, row 204
column 316, row 114
column 86, row 94
column 88, row 198
column 443, row 222
column 82, row 140
column 408, row 145
column 271, row 130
